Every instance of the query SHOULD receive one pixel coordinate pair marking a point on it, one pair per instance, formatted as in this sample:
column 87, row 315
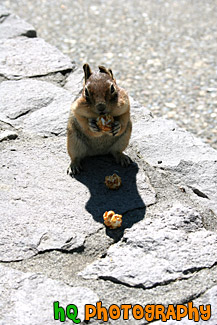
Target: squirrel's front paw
column 122, row 159
column 93, row 126
column 116, row 127
column 74, row 168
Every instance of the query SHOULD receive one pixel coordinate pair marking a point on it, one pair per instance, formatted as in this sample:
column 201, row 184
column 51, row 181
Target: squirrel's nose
column 101, row 107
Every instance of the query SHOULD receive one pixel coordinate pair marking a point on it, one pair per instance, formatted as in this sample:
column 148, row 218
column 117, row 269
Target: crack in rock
column 160, row 284
column 199, row 193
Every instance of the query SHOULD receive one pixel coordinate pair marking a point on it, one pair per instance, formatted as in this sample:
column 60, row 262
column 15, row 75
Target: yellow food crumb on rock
column 112, row 219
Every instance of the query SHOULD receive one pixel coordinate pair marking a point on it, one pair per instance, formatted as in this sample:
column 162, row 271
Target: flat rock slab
column 28, row 57
column 164, row 144
column 27, row 298
column 190, row 161
column 200, row 178
column 42, row 208
column 168, row 247
column 13, row 26
column 35, row 106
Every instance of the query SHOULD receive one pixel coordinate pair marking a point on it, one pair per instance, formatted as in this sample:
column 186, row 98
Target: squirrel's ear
column 87, row 71
column 110, row 71
column 104, row 70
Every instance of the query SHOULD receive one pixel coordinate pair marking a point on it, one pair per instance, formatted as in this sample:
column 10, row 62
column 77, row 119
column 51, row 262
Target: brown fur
column 100, row 95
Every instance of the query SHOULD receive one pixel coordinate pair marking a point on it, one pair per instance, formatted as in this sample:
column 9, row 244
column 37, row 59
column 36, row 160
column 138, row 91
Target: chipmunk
column 100, row 96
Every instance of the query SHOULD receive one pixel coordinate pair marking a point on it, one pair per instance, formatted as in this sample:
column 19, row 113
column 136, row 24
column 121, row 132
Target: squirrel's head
column 100, row 89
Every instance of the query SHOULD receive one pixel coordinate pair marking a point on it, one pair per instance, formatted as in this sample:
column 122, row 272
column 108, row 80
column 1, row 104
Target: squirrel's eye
column 112, row 89
column 87, row 95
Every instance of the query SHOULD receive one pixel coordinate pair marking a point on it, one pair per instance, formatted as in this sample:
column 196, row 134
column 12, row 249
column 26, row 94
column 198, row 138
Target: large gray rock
column 35, row 106
column 42, row 208
column 27, row 298
column 13, row 26
column 28, row 57
column 163, row 144
column 201, row 180
column 157, row 251
column 190, row 162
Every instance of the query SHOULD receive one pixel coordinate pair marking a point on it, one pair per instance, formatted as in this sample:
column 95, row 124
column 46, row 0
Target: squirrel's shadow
column 125, row 199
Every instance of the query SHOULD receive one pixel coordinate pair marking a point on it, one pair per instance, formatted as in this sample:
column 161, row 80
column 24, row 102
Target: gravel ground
column 163, row 52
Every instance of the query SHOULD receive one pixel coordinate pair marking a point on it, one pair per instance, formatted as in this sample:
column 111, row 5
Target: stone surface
column 201, row 178
column 42, row 208
column 163, row 144
column 25, row 187
column 28, row 57
column 190, row 161
column 13, row 26
column 74, row 82
column 29, row 298
column 171, row 246
column 36, row 106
